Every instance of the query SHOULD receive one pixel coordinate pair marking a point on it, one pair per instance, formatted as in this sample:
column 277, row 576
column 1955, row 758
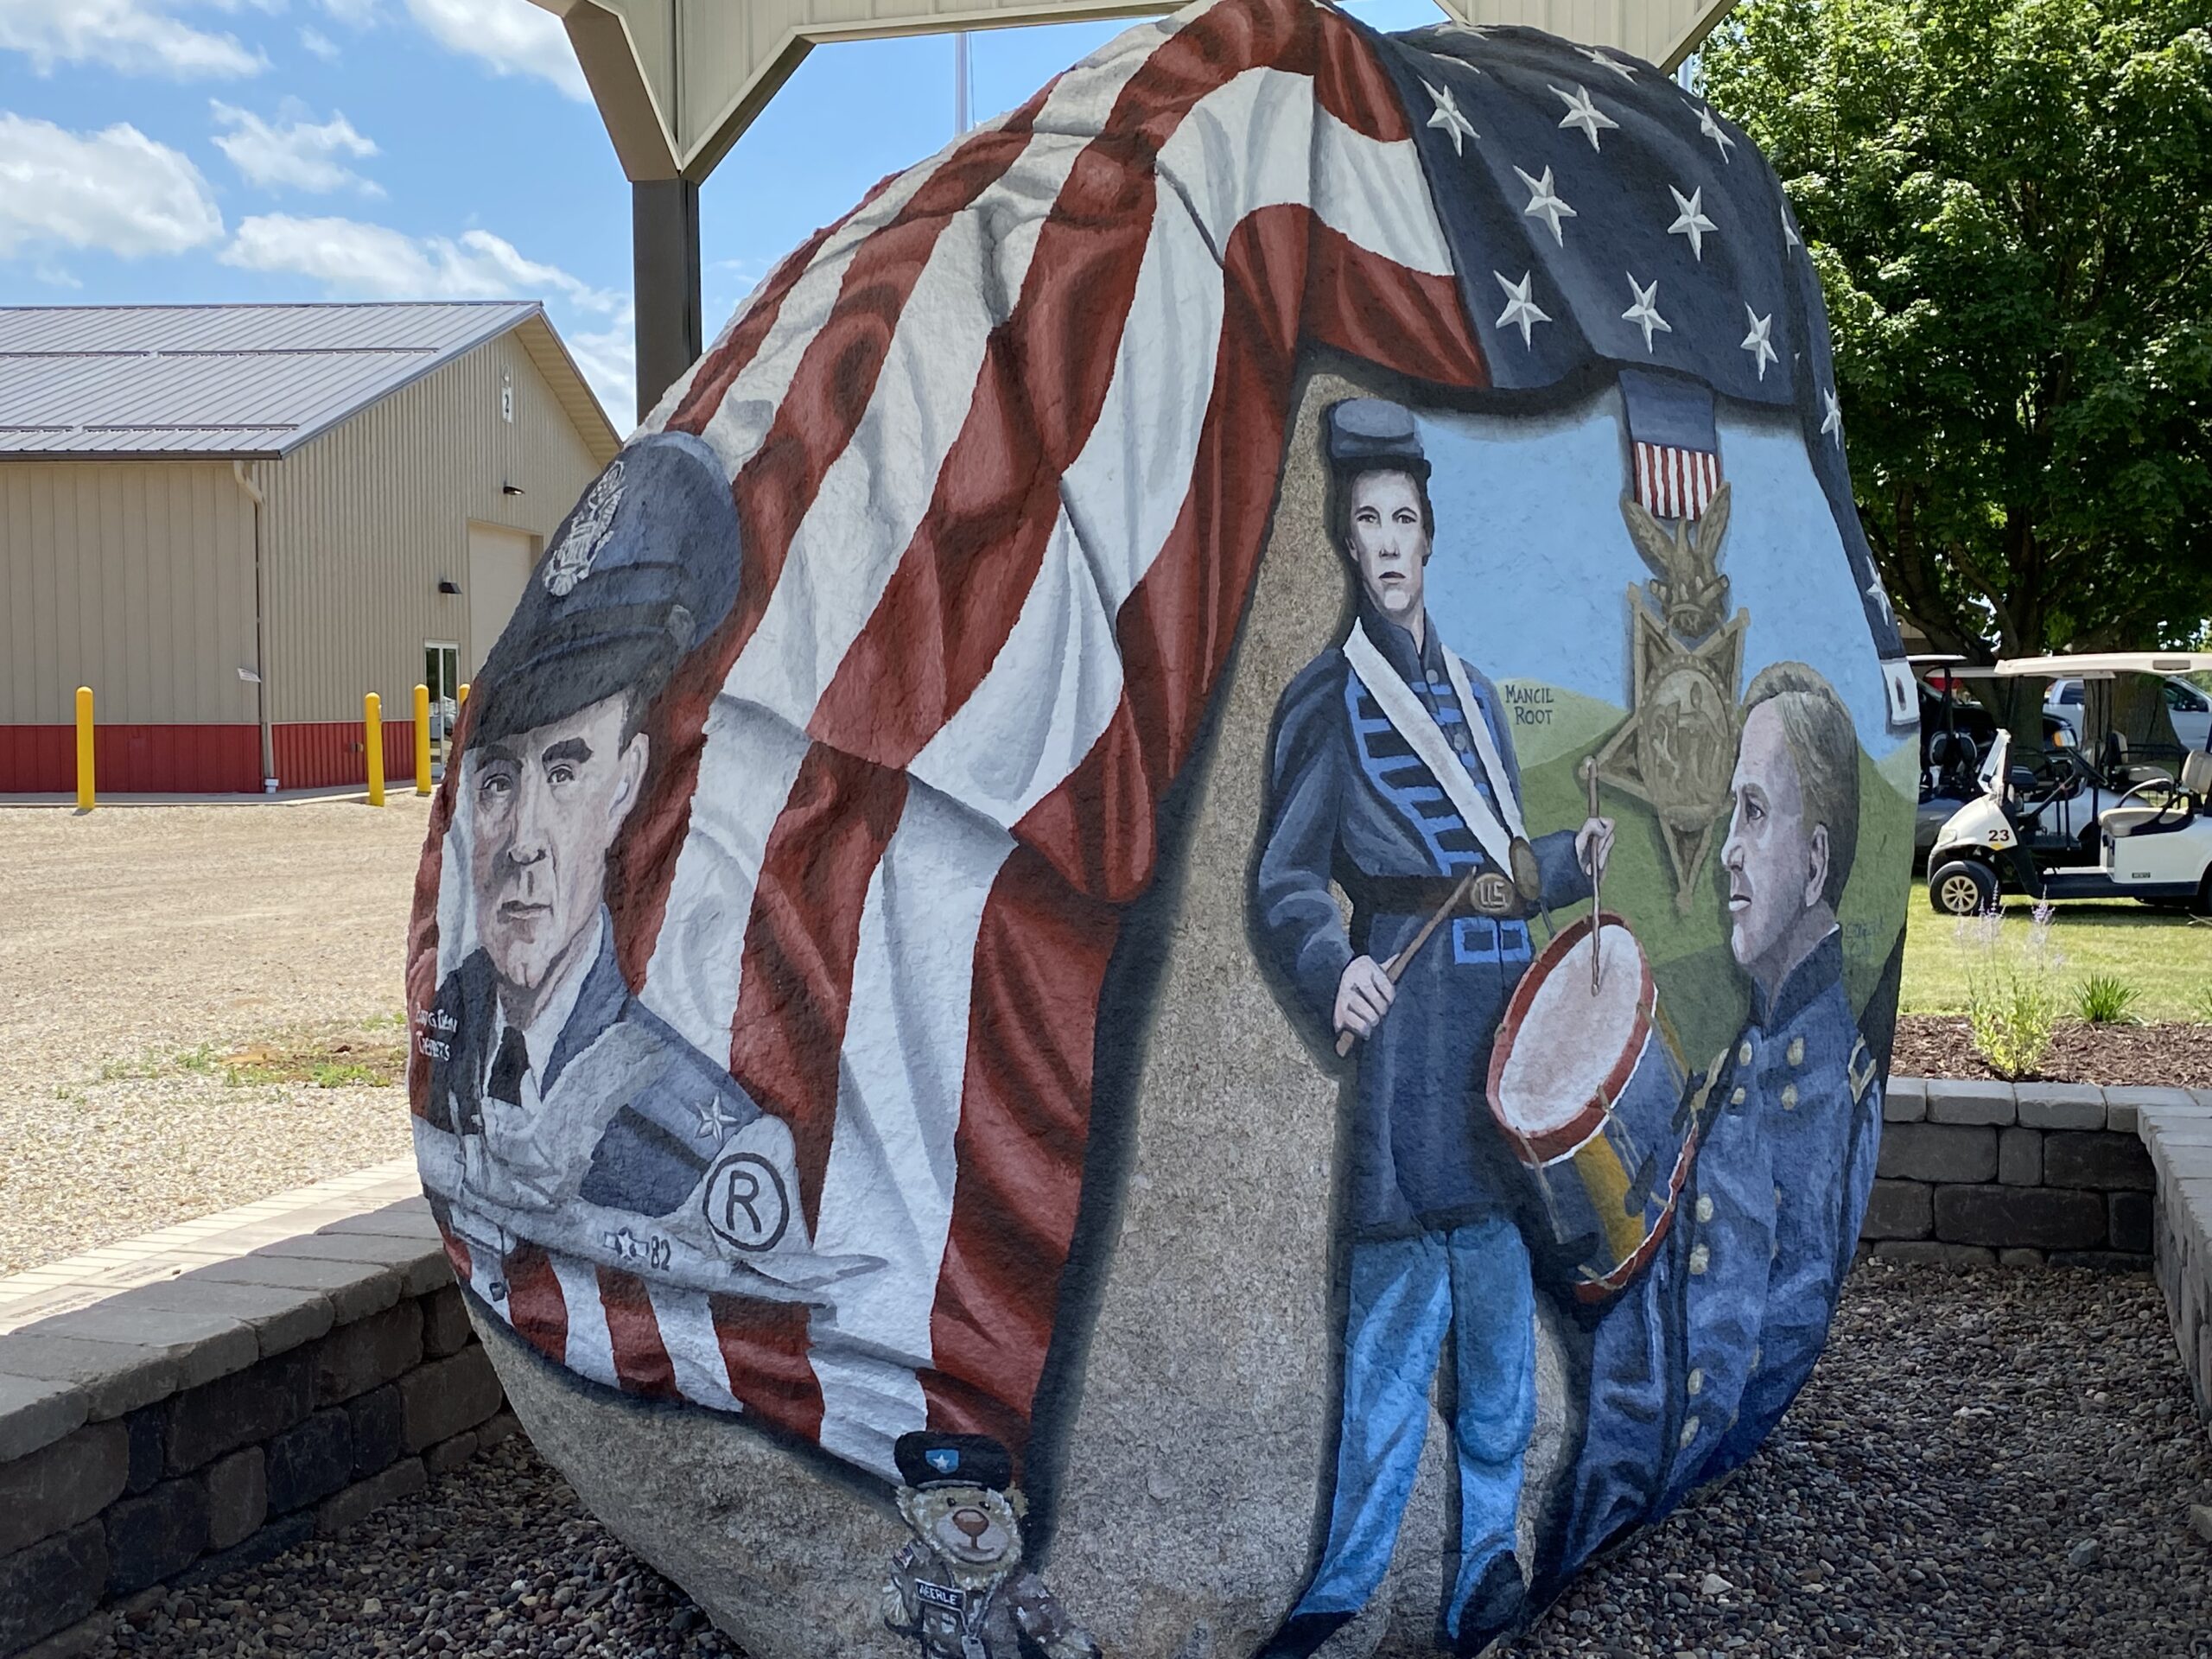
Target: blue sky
column 192, row 151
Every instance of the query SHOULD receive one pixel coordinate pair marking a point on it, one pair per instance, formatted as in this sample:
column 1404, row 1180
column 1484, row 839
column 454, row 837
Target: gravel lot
column 197, row 996
column 1997, row 1463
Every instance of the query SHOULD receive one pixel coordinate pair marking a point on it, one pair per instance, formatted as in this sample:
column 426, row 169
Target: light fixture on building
column 511, row 489
column 447, row 585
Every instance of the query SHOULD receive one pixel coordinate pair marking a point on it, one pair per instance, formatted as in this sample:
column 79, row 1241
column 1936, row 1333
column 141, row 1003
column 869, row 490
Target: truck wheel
column 1962, row 887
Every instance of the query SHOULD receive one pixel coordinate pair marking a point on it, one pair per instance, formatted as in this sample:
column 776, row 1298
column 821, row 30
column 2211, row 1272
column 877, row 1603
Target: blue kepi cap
column 1364, row 432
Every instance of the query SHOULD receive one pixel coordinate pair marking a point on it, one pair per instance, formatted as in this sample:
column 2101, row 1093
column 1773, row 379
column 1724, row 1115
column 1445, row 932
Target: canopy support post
column 664, row 241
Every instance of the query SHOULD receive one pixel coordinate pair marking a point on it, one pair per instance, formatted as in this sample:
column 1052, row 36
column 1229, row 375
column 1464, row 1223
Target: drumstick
column 1397, row 965
column 1596, row 923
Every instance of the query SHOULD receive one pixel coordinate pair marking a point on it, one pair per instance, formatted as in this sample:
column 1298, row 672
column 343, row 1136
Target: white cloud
column 357, row 260
column 513, row 36
column 608, row 357
column 116, row 190
column 298, row 153
column 319, row 43
column 137, row 36
column 376, row 262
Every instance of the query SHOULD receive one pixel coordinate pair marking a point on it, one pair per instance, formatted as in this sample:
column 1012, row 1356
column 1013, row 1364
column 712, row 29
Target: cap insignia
column 588, row 532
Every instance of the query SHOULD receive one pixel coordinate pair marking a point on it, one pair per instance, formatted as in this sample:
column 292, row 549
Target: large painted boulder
column 1170, row 929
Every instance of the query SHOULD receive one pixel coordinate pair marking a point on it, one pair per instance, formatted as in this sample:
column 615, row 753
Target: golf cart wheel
column 1962, row 887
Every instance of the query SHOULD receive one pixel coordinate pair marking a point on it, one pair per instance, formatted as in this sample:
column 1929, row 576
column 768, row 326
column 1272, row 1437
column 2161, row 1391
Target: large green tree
column 2010, row 202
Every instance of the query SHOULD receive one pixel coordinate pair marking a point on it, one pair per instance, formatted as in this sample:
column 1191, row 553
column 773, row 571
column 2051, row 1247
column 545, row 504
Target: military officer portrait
column 1696, row 1363
column 560, row 1109
column 1393, row 780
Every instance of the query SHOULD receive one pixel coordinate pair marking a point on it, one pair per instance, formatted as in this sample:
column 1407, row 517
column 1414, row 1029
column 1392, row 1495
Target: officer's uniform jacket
column 951, row 1621
column 641, row 1152
column 647, row 1155
column 1351, row 802
column 1695, row 1364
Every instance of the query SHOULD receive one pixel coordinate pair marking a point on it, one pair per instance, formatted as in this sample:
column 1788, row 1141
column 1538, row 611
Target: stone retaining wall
column 2180, row 1141
column 1976, row 1174
column 172, row 1433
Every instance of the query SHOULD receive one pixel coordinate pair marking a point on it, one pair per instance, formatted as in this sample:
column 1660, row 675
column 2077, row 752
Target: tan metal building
column 233, row 521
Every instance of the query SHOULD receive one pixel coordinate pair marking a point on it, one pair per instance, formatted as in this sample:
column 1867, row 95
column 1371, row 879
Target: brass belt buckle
column 1493, row 895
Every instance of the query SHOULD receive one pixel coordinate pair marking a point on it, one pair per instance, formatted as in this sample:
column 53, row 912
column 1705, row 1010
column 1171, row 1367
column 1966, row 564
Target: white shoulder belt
column 1410, row 717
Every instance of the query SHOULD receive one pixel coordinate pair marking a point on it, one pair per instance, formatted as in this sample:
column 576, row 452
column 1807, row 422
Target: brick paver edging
column 1973, row 1173
column 172, row 1431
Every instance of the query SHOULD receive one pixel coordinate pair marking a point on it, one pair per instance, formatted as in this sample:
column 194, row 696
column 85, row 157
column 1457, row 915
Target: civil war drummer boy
column 1392, row 776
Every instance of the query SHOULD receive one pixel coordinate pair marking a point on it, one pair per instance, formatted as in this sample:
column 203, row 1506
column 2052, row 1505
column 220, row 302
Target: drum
column 1589, row 1086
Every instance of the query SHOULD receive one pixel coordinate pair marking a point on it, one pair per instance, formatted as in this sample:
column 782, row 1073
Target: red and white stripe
column 1004, row 446
column 1675, row 483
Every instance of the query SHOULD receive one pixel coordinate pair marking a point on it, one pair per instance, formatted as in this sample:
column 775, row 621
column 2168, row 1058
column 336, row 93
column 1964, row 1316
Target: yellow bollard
column 372, row 731
column 84, row 748
column 421, row 740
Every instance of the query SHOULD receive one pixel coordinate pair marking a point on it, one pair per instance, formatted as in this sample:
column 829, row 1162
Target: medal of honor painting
column 1131, row 813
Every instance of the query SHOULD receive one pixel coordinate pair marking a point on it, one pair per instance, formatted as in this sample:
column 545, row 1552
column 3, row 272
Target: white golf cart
column 2071, row 829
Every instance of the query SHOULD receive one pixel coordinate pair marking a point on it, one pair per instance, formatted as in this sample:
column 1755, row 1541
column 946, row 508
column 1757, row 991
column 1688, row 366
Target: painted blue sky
column 161, row 151
column 1528, row 527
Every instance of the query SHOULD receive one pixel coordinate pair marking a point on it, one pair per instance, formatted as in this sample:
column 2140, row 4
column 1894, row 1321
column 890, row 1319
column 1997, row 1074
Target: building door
column 500, row 562
column 441, row 673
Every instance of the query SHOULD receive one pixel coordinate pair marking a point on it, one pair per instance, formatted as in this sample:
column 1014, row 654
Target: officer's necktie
column 508, row 1068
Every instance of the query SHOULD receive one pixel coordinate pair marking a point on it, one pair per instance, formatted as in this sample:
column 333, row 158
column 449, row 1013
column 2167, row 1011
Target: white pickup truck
column 2188, row 705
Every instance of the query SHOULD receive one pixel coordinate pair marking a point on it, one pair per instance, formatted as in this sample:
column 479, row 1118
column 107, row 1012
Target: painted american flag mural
column 1002, row 447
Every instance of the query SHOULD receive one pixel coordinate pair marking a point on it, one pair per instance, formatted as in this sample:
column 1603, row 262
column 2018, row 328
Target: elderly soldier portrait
column 551, row 1086
column 1393, row 778
column 1696, row 1363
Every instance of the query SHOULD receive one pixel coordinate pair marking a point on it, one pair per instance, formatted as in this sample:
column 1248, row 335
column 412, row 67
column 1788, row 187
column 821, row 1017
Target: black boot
column 1493, row 1610
column 1302, row 1634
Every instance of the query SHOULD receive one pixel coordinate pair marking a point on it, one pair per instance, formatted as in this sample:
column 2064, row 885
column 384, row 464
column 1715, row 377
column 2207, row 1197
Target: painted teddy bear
column 959, row 1586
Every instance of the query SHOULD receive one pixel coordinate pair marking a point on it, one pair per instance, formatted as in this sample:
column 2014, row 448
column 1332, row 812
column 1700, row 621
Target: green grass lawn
column 2166, row 955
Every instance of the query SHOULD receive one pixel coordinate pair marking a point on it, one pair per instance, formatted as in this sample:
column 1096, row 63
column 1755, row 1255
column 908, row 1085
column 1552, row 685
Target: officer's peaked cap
column 1364, row 432
column 926, row 1458
column 644, row 568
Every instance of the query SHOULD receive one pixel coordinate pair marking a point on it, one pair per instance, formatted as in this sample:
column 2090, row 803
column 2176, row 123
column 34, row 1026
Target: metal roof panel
column 218, row 379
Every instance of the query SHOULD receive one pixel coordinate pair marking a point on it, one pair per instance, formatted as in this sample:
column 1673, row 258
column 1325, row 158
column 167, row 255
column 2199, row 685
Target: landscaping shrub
column 2012, row 998
column 2106, row 1000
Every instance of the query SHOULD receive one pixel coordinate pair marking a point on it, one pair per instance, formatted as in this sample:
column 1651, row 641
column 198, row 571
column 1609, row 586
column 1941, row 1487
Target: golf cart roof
column 2087, row 664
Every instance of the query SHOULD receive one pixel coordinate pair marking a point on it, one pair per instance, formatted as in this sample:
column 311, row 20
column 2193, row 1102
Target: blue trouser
column 1407, row 1293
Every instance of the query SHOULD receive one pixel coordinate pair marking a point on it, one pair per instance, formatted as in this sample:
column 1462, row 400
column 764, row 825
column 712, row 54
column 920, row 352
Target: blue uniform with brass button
column 1695, row 1364
column 1361, row 799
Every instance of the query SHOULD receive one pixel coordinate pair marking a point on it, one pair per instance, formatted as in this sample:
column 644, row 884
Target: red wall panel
column 38, row 758
column 133, row 759
column 197, row 759
column 321, row 753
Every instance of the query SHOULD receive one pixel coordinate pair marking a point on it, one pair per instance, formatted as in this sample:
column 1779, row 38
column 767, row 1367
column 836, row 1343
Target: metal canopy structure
column 678, row 81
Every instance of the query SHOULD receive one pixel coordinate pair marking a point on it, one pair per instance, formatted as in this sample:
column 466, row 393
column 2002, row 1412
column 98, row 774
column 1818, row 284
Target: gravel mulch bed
column 142, row 949
column 2173, row 1056
column 497, row 1558
column 1997, row 1463
column 1992, row 1463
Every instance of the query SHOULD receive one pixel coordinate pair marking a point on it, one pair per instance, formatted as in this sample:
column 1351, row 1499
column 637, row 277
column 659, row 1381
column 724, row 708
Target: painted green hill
column 1701, row 988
